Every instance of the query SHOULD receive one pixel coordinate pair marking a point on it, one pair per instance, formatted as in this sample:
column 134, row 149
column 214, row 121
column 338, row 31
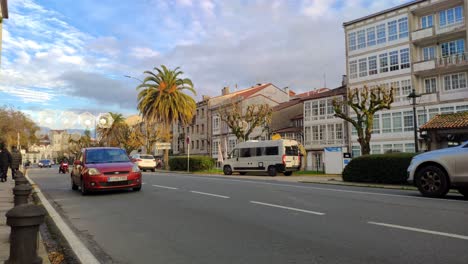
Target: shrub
column 197, row 163
column 379, row 168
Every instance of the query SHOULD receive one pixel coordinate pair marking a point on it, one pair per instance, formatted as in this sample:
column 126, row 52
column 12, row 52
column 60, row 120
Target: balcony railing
column 441, row 62
column 425, row 33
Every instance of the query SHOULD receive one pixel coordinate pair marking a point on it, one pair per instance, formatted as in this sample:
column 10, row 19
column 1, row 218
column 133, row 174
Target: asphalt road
column 205, row 219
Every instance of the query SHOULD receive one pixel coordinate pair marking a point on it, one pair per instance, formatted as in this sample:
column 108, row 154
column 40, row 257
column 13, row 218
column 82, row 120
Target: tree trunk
column 365, row 147
column 166, row 159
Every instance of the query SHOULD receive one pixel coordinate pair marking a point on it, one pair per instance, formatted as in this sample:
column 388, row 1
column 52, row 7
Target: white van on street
column 270, row 156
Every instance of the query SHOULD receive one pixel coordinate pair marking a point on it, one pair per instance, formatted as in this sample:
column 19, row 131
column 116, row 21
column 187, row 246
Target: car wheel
column 144, row 170
column 227, row 170
column 287, row 173
column 83, row 188
column 464, row 192
column 272, row 171
column 73, row 185
column 432, row 181
column 137, row 189
column 243, row 173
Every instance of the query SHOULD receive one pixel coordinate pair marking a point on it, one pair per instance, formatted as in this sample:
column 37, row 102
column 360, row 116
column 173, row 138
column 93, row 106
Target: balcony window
column 453, row 47
column 394, row 61
column 403, row 27
column 433, row 112
column 392, row 30
column 409, row 147
column 314, row 110
column 376, row 125
column 422, row 117
column 405, row 87
column 353, row 69
column 371, row 36
column 450, row 16
column 376, row 149
column 383, row 58
column 447, row 110
column 397, row 124
column 455, row 81
column 462, row 108
column 363, row 67
column 381, row 34
column 428, row 53
column 408, row 121
column 361, row 38
column 427, row 21
column 373, row 65
column 339, row 131
column 386, row 123
column 307, row 135
column 396, row 90
column 430, row 85
column 404, row 57
column 352, row 41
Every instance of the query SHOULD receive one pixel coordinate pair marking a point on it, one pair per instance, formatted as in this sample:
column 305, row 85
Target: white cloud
column 184, row 2
column 144, row 52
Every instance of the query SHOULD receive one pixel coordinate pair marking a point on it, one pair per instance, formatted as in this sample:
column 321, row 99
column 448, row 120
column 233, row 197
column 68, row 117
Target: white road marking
column 322, row 189
column 80, row 250
column 165, row 187
column 211, row 194
column 143, row 183
column 288, row 208
column 420, row 230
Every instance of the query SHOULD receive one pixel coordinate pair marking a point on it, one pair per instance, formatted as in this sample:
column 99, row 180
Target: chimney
column 225, row 90
column 344, row 80
column 286, row 90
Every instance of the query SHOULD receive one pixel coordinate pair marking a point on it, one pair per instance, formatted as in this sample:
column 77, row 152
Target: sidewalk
column 6, row 203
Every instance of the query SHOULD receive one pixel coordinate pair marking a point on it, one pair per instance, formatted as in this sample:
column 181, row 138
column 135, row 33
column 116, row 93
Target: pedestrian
column 16, row 161
column 5, row 162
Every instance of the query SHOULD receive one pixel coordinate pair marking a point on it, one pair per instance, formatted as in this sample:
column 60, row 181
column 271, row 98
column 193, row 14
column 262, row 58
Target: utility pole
column 413, row 96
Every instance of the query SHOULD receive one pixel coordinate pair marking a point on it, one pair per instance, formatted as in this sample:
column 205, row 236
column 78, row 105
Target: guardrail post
column 21, row 193
column 20, row 179
column 24, row 221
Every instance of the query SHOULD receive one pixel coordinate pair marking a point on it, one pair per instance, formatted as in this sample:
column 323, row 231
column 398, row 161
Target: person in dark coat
column 16, row 161
column 5, row 161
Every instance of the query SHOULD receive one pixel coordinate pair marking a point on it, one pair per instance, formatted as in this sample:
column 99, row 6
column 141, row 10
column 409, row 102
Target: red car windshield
column 106, row 156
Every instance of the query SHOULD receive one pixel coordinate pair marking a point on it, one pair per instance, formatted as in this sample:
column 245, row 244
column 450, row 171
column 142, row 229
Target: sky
column 67, row 60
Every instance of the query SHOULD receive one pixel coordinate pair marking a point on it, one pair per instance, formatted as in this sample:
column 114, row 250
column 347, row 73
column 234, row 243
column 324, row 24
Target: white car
column 145, row 161
column 435, row 172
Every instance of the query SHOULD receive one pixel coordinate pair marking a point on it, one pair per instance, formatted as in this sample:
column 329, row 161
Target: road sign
column 163, row 145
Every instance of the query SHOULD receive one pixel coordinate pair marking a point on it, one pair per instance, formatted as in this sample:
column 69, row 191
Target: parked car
column 44, row 163
column 145, row 161
column 271, row 156
column 435, row 172
column 104, row 168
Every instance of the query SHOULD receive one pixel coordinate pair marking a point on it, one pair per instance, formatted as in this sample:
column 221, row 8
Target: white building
column 420, row 45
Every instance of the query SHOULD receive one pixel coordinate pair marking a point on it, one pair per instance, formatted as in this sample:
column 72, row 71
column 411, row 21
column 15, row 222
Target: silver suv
column 435, row 172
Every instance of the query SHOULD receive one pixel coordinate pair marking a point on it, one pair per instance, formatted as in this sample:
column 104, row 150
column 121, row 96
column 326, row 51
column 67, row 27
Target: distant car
column 435, row 172
column 45, row 163
column 104, row 168
column 145, row 161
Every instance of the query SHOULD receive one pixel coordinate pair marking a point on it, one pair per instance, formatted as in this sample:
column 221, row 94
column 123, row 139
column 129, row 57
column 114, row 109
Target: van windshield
column 291, row 151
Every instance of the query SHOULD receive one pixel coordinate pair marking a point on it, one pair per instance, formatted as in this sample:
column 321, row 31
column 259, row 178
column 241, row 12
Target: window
column 322, row 108
column 245, row 152
column 386, row 123
column 314, row 110
column 392, row 30
column 404, row 57
column 232, row 143
column 202, row 144
column 353, row 129
column 454, row 81
column 198, row 131
column 447, row 110
column 408, row 121
column 376, row 149
column 308, row 135
column 396, row 90
column 362, row 67
column 339, row 130
column 427, row 21
column 409, row 147
column 331, row 133
column 403, row 27
column 387, row 148
column 215, row 123
column 371, row 36
column 383, row 62
column 193, row 144
column 361, row 38
column 453, row 47
column 198, row 144
column 381, row 34
column 405, row 87
column 430, row 85
column 315, row 135
column 462, row 108
column 353, row 69
column 271, row 151
column 330, row 111
column 428, row 53
column 450, row 16
column 372, row 65
column 398, row 147
column 188, row 130
column 203, row 112
column 203, row 128
column 397, row 124
column 352, row 41
column 433, row 112
column 356, row 151
column 376, row 125
column 394, row 61
column 322, row 131
column 422, row 117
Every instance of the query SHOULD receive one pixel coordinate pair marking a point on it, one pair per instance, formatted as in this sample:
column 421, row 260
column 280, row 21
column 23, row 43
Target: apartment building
column 420, row 45
column 3, row 15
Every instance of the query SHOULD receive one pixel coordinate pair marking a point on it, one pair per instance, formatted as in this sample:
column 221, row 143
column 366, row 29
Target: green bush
column 197, row 163
column 379, row 168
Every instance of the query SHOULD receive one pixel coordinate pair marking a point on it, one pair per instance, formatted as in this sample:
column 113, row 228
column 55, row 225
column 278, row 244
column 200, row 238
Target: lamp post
column 413, row 96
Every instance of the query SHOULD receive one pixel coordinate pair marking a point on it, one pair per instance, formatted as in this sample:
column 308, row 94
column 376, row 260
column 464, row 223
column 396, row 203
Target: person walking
column 16, row 161
column 5, row 162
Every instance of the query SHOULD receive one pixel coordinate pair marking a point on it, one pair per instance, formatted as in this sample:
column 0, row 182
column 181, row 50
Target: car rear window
column 106, row 156
column 291, row 150
column 146, row 157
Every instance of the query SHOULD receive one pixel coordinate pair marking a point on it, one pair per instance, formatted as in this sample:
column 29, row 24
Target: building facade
column 420, row 45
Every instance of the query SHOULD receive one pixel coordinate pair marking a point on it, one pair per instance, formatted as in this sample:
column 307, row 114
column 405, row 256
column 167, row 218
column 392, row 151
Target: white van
column 271, row 156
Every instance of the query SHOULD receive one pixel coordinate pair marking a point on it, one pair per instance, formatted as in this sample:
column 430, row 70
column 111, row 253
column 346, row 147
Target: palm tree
column 161, row 100
column 114, row 135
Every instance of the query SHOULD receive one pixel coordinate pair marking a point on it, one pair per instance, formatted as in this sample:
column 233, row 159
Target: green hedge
column 379, row 168
column 197, row 163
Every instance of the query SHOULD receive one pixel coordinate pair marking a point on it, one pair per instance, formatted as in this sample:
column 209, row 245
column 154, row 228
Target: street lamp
column 413, row 96
column 131, row 77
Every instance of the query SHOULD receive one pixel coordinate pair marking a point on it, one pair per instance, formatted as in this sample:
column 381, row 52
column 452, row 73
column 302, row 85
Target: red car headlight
column 93, row 172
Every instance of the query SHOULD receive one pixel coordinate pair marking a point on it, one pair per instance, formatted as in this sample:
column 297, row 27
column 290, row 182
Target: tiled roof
column 245, row 93
column 447, row 121
column 288, row 130
column 337, row 91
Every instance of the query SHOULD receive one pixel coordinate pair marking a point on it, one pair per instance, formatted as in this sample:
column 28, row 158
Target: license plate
column 117, row 178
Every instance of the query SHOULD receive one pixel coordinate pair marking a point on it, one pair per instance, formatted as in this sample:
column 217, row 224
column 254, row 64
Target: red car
column 104, row 168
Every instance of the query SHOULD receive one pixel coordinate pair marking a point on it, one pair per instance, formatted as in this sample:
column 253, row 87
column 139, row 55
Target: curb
column 79, row 249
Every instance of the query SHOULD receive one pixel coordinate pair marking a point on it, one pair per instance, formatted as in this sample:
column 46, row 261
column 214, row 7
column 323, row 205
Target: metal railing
column 455, row 59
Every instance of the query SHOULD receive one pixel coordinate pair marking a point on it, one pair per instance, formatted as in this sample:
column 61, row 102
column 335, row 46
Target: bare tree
column 365, row 103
